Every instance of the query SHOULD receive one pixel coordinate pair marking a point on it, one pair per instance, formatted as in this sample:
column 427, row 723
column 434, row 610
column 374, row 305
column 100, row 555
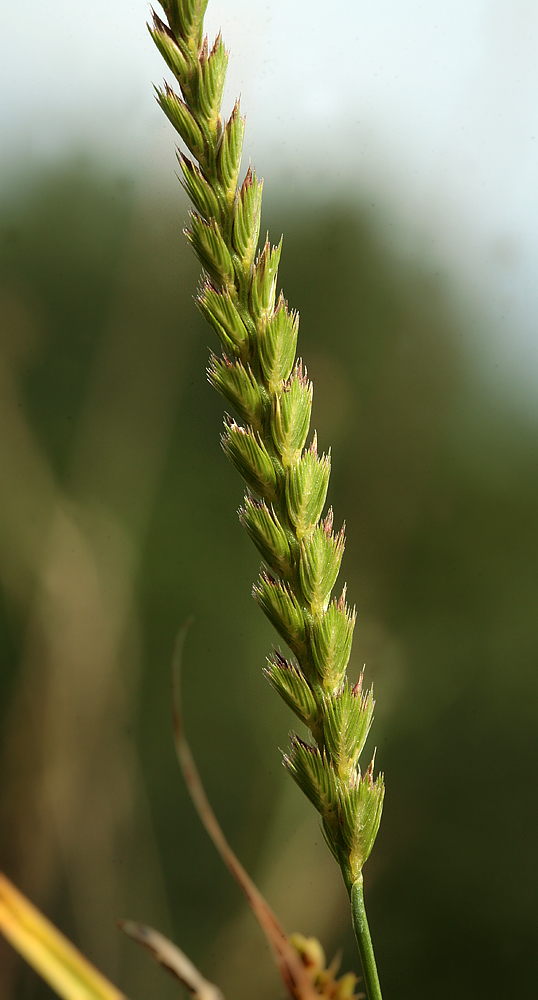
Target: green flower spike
column 260, row 378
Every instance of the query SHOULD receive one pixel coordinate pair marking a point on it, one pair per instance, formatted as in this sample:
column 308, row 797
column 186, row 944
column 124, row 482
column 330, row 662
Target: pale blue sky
column 429, row 106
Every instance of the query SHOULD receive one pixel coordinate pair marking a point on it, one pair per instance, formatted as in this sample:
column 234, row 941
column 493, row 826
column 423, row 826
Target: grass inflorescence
column 268, row 388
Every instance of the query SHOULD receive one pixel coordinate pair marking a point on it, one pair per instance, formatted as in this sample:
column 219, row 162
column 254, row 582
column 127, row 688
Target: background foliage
column 118, row 520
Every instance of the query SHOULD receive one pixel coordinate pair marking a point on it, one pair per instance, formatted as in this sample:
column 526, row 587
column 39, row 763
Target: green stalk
column 260, row 377
column 364, row 940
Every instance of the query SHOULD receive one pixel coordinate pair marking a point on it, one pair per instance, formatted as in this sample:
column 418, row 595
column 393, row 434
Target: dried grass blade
column 173, row 959
column 289, row 964
column 56, row 960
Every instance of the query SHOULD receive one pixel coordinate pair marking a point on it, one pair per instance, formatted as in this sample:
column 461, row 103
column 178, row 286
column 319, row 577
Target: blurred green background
column 119, row 520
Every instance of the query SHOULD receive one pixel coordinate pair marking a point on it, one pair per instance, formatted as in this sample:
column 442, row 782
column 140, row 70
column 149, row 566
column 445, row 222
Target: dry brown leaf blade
column 288, row 962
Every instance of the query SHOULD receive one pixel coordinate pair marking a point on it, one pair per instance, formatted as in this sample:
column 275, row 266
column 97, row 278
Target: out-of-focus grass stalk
column 69, row 548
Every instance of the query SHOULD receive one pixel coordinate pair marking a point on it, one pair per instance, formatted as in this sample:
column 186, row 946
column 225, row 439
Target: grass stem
column 364, row 941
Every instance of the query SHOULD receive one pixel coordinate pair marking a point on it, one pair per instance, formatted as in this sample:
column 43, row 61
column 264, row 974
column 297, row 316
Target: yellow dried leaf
column 56, row 960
